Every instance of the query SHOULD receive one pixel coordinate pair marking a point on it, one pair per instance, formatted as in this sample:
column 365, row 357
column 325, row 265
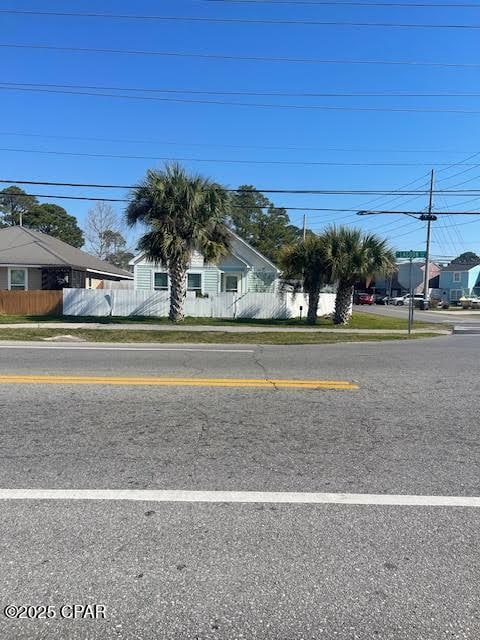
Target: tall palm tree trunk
column 313, row 298
column 178, row 291
column 343, row 301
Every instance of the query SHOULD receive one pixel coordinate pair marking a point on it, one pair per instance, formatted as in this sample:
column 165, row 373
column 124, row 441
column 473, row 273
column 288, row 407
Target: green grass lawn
column 207, row 337
column 359, row 320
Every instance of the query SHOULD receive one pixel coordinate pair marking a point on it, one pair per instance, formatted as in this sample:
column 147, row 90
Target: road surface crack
column 256, row 360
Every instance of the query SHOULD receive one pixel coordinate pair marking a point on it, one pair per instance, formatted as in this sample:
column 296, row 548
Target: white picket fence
column 101, row 303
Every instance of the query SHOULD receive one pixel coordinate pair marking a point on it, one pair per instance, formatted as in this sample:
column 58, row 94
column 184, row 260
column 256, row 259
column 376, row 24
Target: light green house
column 243, row 270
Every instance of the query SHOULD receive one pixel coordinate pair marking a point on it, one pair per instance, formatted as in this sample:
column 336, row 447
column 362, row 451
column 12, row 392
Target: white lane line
column 88, row 348
column 152, row 495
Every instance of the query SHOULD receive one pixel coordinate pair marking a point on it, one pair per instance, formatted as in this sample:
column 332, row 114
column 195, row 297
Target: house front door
column 231, row 282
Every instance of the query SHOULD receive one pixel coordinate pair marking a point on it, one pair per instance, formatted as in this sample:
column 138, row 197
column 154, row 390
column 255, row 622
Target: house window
column 78, row 279
column 457, row 276
column 194, row 282
column 231, row 283
column 161, row 281
column 17, row 279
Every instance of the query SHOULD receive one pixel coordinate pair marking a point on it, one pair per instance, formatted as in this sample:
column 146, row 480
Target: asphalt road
column 441, row 317
column 228, row 570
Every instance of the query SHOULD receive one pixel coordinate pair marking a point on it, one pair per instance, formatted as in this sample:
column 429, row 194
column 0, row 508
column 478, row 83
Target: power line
column 458, row 163
column 321, row 224
column 279, row 94
column 393, row 226
column 229, row 146
column 248, row 21
column 289, row 191
column 400, row 201
column 335, row 3
column 215, row 56
column 247, row 104
column 221, row 160
column 430, row 217
column 62, row 197
column 476, row 199
column 409, row 213
column 386, row 192
column 402, row 235
column 396, row 227
column 390, row 200
column 454, row 164
column 461, row 224
column 444, row 236
column 103, row 199
column 460, row 184
column 459, row 173
column 457, row 233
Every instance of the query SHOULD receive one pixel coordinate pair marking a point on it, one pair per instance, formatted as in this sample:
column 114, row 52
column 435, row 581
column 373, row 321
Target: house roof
column 459, row 267
column 138, row 257
column 260, row 255
column 22, row 246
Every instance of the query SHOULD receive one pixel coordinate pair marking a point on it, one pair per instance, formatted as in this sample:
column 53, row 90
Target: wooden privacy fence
column 31, row 303
column 97, row 302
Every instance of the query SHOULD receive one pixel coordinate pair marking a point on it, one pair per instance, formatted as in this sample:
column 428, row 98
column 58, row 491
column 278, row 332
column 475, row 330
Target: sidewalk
column 136, row 326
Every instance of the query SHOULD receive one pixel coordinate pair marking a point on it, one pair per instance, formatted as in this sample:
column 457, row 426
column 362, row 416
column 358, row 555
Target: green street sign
column 411, row 254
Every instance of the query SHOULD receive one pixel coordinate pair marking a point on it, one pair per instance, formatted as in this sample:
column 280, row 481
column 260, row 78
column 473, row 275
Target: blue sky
column 223, row 132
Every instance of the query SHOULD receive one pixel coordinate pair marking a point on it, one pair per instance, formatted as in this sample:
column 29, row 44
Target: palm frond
column 353, row 255
column 184, row 212
column 304, row 265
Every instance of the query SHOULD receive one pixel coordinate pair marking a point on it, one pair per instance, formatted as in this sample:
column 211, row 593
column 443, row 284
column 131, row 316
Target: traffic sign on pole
column 410, row 254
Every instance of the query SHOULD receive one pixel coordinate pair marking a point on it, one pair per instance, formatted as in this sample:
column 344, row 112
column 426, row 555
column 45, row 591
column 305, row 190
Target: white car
column 405, row 300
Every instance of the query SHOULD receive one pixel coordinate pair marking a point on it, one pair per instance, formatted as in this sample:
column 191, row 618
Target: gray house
column 30, row 260
column 243, row 270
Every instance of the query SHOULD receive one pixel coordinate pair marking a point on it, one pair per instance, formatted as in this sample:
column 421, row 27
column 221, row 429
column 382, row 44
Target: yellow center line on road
column 180, row 382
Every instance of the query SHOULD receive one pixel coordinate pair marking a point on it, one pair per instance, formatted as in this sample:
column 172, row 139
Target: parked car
column 381, row 299
column 469, row 302
column 366, row 298
column 405, row 300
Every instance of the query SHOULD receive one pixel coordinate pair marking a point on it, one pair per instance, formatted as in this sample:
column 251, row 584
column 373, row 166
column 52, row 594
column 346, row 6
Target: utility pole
column 304, row 226
column 410, row 302
column 429, row 217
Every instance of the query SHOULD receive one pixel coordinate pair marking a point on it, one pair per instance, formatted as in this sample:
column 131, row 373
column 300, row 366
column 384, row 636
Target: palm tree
column 352, row 255
column 184, row 213
column 304, row 268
